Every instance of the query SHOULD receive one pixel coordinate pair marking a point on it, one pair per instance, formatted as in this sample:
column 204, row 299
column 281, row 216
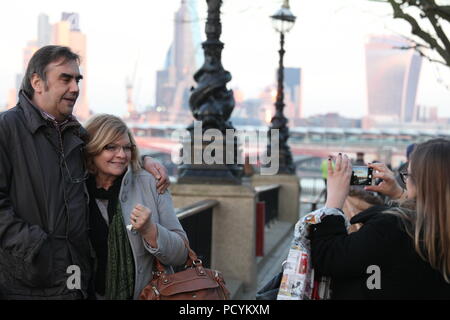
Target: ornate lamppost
column 211, row 104
column 283, row 21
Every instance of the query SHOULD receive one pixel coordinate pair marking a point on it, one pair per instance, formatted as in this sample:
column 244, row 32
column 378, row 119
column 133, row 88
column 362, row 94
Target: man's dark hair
column 39, row 62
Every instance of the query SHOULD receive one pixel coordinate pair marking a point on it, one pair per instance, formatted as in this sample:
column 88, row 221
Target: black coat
column 43, row 210
column 382, row 242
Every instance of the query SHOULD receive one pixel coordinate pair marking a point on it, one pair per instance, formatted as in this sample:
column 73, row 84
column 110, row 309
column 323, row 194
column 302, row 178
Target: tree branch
column 417, row 30
column 427, row 7
column 417, row 47
column 441, row 11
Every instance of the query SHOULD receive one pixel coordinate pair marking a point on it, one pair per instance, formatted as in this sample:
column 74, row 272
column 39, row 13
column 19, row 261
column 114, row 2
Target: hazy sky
column 327, row 42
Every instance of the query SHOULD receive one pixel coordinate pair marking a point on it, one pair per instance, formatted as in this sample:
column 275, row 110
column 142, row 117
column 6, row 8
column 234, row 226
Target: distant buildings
column 293, row 95
column 184, row 58
column 44, row 31
column 66, row 33
column 330, row 120
column 263, row 108
column 392, row 80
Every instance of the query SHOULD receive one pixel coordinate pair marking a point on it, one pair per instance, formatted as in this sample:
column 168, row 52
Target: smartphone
column 361, row 176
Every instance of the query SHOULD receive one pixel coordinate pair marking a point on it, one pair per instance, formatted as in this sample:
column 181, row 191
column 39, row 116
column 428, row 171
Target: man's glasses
column 115, row 148
column 404, row 175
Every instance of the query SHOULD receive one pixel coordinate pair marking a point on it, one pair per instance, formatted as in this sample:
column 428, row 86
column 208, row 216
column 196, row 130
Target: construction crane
column 129, row 87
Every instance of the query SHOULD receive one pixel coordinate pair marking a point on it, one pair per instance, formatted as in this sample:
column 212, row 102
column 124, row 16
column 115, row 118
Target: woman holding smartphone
column 399, row 252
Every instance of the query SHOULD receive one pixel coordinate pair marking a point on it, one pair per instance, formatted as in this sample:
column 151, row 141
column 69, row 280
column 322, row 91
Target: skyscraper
column 44, row 31
column 293, row 94
column 65, row 33
column 392, row 79
column 183, row 59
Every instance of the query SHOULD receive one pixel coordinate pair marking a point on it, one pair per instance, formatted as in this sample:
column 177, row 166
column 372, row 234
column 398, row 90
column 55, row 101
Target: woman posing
column 122, row 194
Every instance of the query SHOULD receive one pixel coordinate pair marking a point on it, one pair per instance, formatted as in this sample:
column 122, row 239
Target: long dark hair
column 429, row 223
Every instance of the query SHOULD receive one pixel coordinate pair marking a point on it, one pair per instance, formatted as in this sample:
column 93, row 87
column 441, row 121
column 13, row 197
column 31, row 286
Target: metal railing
column 196, row 220
column 313, row 191
column 269, row 195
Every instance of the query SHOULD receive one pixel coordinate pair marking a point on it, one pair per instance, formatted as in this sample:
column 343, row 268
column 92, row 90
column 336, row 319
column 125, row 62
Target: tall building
column 292, row 98
column 183, row 59
column 392, row 80
column 66, row 33
column 44, row 31
column 267, row 97
column 292, row 94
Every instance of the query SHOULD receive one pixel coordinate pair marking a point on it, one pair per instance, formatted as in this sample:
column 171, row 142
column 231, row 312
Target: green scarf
column 120, row 268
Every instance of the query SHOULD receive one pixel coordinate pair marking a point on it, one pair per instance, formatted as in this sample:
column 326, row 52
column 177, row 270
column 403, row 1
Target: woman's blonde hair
column 429, row 223
column 104, row 129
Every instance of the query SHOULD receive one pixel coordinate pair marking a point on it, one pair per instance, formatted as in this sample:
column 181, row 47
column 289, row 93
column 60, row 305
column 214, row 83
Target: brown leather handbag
column 193, row 283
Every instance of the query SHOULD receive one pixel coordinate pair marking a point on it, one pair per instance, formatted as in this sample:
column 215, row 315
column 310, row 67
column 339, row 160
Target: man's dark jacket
column 43, row 206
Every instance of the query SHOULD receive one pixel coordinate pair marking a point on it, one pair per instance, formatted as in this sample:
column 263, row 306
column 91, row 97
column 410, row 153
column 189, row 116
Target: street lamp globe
column 283, row 20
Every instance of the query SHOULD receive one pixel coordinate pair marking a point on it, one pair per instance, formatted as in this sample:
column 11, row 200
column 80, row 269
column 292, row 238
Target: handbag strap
column 192, row 260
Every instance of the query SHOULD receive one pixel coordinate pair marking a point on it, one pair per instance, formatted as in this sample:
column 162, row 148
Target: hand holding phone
column 337, row 184
column 388, row 186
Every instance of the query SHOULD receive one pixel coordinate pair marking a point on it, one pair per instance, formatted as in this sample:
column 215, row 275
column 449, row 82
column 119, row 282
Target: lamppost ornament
column 283, row 21
column 211, row 104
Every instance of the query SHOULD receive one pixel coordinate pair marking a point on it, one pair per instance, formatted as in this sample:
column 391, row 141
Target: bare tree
column 426, row 39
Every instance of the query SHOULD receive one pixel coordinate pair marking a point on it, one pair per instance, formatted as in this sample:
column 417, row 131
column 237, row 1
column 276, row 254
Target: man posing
column 43, row 203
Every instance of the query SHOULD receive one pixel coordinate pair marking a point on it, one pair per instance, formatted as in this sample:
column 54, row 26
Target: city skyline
column 65, row 32
column 183, row 59
column 392, row 79
column 329, row 50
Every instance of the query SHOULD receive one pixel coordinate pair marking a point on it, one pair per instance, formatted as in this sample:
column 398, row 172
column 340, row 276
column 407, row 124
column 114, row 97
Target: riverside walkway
column 277, row 250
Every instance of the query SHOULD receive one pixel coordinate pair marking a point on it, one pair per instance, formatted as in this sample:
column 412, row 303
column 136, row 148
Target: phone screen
column 361, row 176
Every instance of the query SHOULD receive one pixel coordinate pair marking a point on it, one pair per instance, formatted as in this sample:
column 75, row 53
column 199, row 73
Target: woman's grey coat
column 140, row 188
